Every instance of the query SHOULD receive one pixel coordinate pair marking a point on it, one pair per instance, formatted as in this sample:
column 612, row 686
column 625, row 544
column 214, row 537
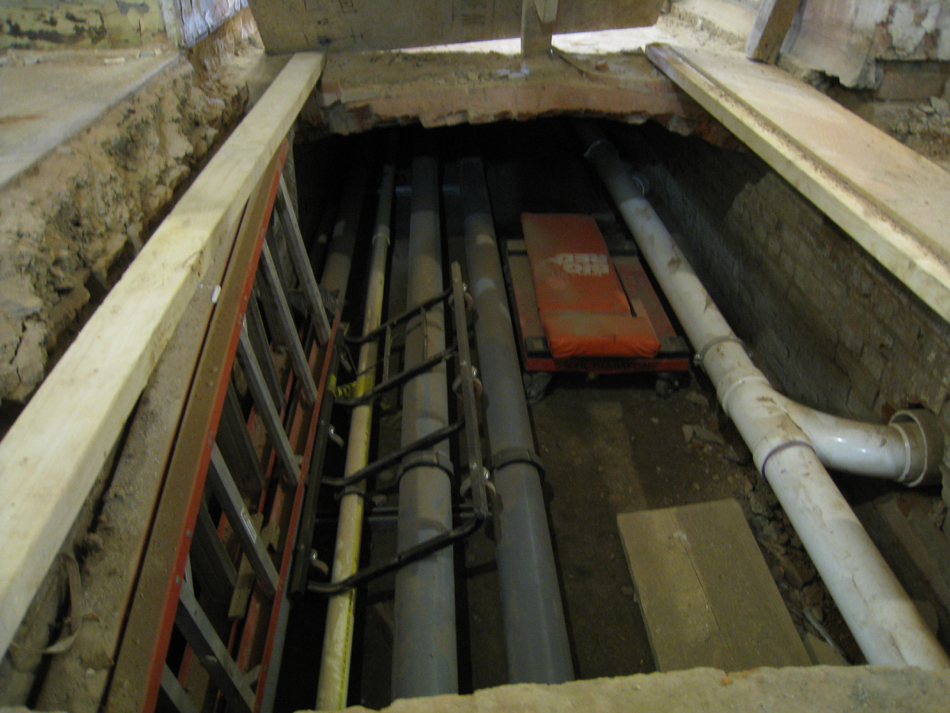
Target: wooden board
column 73, row 682
column 344, row 25
column 890, row 199
column 705, row 592
column 769, row 29
column 56, row 448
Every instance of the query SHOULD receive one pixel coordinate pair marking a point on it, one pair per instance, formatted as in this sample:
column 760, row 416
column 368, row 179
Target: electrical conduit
column 338, row 637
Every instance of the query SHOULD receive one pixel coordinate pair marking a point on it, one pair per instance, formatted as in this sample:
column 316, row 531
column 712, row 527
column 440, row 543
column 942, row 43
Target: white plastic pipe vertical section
column 872, row 601
column 338, row 637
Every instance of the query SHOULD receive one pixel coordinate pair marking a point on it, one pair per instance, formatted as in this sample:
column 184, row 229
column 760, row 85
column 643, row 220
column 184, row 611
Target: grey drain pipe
column 537, row 645
column 425, row 658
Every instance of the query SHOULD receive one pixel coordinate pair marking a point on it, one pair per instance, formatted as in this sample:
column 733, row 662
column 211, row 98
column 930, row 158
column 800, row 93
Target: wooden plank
column 537, row 27
column 126, row 516
column 56, row 448
column 705, row 591
column 769, row 29
column 359, row 25
column 890, row 199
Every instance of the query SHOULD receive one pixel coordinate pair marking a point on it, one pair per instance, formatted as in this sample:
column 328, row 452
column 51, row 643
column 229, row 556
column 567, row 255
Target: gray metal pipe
column 424, row 639
column 536, row 639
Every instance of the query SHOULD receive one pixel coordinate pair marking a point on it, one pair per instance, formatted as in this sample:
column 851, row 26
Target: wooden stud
column 537, row 27
column 772, row 22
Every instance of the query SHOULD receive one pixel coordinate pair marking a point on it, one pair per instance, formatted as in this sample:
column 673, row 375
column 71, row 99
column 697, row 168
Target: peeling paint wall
column 51, row 24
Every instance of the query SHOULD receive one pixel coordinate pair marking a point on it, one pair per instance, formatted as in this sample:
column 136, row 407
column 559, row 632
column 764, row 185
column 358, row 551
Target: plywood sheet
column 346, row 25
column 705, row 592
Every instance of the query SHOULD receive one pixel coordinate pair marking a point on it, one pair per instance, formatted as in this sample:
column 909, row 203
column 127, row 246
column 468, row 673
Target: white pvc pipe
column 881, row 616
column 338, row 637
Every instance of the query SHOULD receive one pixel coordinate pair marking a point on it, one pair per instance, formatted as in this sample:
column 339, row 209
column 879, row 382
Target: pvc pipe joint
column 925, row 446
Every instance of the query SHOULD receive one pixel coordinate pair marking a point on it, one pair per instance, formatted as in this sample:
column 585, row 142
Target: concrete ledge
column 820, row 689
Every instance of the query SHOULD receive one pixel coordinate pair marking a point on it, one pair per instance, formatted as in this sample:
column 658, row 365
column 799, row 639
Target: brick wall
column 829, row 325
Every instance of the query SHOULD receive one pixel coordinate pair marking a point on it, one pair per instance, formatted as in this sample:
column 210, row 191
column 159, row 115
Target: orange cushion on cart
column 583, row 308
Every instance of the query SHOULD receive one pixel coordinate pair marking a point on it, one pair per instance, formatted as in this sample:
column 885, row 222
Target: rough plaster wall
column 66, row 222
column 833, row 328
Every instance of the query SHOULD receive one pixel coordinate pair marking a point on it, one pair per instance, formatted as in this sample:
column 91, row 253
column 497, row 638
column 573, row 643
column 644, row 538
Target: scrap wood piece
column 772, row 23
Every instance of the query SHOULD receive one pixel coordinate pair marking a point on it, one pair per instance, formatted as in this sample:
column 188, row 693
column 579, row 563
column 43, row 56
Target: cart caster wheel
column 535, row 385
column 666, row 385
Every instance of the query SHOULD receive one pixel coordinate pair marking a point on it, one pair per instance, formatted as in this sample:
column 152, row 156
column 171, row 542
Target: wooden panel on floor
column 359, row 25
column 705, row 592
column 890, row 199
column 56, row 448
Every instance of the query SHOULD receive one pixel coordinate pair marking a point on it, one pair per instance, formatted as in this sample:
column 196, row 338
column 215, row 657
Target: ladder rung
column 258, row 335
column 285, row 325
column 301, row 262
column 235, row 442
column 175, row 694
column 222, row 482
column 213, row 566
column 211, row 651
column 265, row 407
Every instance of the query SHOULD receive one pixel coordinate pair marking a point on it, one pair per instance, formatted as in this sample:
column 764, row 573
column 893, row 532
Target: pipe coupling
column 773, row 445
column 924, row 441
column 749, row 378
column 700, row 358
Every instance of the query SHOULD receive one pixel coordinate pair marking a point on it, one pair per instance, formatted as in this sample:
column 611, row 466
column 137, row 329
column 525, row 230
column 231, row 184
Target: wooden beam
column 891, row 200
column 537, row 27
column 359, row 25
column 769, row 29
column 56, row 448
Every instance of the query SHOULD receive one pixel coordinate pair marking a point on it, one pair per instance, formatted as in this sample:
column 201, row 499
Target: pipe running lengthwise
column 538, row 650
column 338, row 637
column 425, row 659
column 883, row 620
